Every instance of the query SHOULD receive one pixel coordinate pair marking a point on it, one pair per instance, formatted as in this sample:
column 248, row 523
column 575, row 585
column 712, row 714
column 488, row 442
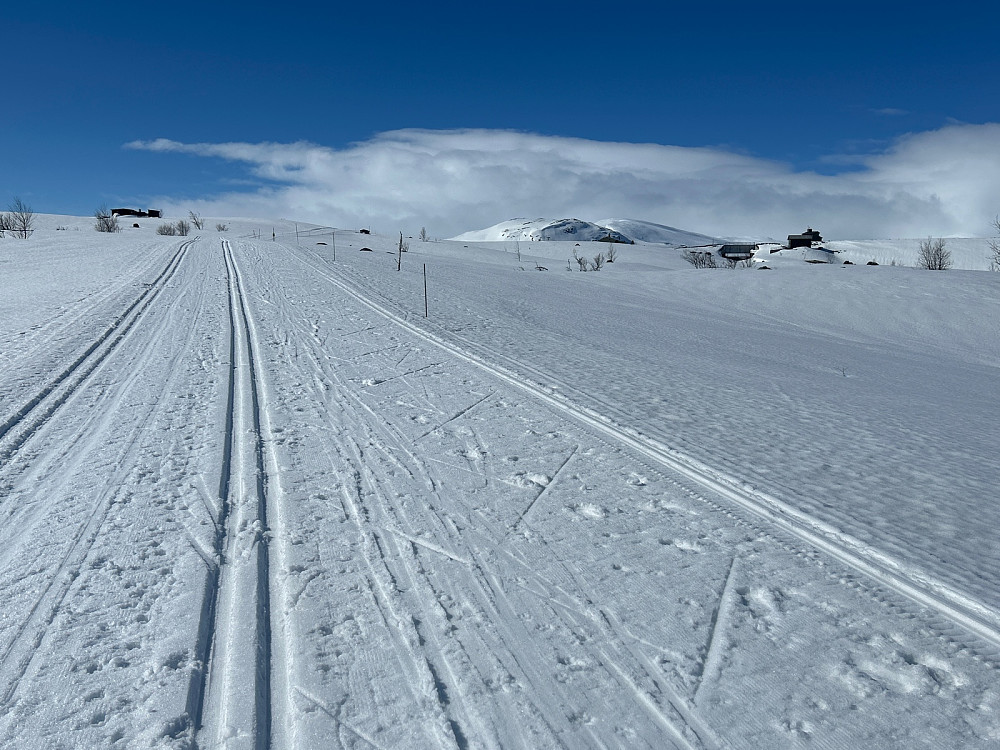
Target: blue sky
column 804, row 91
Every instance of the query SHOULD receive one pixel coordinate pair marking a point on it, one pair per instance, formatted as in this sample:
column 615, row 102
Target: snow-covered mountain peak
column 620, row 230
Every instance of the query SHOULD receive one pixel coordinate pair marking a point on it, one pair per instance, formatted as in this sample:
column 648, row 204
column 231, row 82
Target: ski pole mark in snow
column 430, row 545
column 337, row 720
column 711, row 664
column 544, row 490
column 380, row 381
column 456, row 415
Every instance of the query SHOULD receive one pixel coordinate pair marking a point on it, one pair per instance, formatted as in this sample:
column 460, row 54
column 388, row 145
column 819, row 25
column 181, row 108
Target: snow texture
column 250, row 496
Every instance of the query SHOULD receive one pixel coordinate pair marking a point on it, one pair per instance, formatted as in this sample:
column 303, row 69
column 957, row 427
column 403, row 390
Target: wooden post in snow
column 425, row 290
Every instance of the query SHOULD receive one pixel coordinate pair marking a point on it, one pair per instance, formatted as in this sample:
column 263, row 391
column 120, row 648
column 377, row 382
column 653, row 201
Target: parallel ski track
column 977, row 619
column 217, row 699
column 47, row 336
column 17, row 657
column 445, row 660
column 18, row 427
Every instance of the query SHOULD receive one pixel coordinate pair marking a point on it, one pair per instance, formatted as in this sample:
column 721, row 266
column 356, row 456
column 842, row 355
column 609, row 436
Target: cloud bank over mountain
column 944, row 182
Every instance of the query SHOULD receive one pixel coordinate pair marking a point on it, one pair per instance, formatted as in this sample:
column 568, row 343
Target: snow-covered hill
column 647, row 231
column 540, row 230
column 555, row 230
column 967, row 253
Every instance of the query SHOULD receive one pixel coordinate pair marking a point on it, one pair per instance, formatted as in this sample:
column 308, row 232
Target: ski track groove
column 226, row 662
column 42, row 337
column 977, row 622
column 478, row 580
column 60, row 582
column 47, row 400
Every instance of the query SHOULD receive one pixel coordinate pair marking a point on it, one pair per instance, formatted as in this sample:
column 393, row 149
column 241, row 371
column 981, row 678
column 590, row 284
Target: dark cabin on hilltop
column 152, row 212
column 737, row 251
column 806, row 239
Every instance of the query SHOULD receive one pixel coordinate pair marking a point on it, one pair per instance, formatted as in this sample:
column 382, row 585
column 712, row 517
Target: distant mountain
column 620, row 230
column 539, row 230
column 647, row 231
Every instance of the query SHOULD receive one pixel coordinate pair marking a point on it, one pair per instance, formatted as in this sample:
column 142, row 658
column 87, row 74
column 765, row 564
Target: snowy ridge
column 621, row 230
column 541, row 230
column 647, row 231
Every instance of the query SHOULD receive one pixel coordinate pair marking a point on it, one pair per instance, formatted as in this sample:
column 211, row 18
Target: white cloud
column 942, row 182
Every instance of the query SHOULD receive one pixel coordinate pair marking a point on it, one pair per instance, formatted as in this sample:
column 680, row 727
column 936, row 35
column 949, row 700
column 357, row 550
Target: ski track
column 18, row 427
column 441, row 659
column 71, row 572
column 21, row 426
column 981, row 622
column 37, row 343
column 354, row 595
column 226, row 714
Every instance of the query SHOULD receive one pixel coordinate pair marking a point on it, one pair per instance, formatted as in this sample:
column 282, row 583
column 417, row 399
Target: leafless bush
column 196, row 219
column 106, row 221
column 21, row 219
column 598, row 262
column 167, row 229
column 933, row 256
column 700, row 258
column 423, row 234
column 183, row 228
column 612, row 253
column 221, row 228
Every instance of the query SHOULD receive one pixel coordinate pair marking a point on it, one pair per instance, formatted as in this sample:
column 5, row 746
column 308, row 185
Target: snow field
column 449, row 559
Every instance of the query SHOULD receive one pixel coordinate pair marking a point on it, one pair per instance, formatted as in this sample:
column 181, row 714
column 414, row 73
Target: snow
column 622, row 230
column 647, row 231
column 540, row 230
column 251, row 496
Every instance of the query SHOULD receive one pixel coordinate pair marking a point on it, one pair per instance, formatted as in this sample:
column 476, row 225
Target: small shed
column 806, row 239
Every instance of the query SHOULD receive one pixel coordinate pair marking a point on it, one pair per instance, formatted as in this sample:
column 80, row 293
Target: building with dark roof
column 806, row 239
